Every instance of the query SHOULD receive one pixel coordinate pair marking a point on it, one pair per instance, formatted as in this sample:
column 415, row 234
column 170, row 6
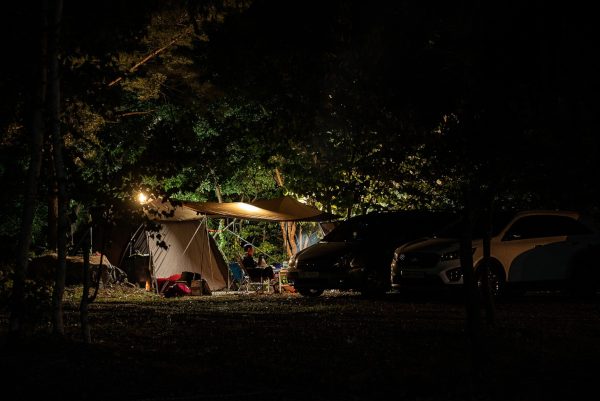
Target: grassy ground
column 283, row 346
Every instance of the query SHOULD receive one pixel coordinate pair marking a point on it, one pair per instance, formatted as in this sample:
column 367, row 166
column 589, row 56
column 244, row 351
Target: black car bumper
column 325, row 280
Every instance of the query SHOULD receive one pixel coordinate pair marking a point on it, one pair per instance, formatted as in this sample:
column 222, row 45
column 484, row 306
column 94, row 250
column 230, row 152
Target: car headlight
column 292, row 262
column 455, row 274
column 399, row 255
column 344, row 262
column 452, row 255
column 355, row 263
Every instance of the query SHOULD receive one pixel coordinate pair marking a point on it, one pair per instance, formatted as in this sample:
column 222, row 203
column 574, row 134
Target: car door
column 518, row 239
column 541, row 247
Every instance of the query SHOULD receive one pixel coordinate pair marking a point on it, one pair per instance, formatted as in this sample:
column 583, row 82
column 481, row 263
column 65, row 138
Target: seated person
column 261, row 261
column 254, row 271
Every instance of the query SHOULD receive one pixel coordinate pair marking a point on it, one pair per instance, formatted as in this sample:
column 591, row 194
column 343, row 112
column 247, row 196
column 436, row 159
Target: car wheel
column 376, row 284
column 584, row 282
column 495, row 281
column 310, row 292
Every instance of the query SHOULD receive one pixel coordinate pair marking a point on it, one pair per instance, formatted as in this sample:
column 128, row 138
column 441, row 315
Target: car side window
column 544, row 226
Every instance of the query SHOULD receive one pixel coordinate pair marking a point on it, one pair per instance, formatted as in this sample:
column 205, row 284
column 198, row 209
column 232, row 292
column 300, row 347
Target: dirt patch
column 43, row 268
column 283, row 346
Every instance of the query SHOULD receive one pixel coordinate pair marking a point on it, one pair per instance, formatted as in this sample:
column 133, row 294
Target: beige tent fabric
column 187, row 246
column 158, row 210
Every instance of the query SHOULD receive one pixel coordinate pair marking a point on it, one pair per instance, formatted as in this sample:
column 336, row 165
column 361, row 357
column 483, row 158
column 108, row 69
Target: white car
column 546, row 249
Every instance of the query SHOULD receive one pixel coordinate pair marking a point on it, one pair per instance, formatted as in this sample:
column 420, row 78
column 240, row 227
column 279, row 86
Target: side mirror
column 512, row 236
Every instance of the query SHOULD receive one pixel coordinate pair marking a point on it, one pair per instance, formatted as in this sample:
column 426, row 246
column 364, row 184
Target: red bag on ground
column 164, row 283
column 177, row 290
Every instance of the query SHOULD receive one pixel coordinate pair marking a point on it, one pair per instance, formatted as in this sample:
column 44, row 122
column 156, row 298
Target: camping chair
column 239, row 278
column 246, row 281
column 258, row 281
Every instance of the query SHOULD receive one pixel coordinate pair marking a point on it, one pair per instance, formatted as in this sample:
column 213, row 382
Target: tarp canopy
column 280, row 209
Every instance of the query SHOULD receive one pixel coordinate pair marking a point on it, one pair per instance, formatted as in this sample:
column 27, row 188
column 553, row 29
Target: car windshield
column 387, row 226
column 455, row 230
column 351, row 231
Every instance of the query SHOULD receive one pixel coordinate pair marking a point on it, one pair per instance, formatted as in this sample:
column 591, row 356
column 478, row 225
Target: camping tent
column 179, row 243
column 182, row 242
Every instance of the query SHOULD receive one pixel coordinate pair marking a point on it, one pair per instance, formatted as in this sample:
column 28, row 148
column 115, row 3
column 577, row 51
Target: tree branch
column 155, row 53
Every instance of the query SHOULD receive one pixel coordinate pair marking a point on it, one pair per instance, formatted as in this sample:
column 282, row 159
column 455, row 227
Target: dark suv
column 357, row 253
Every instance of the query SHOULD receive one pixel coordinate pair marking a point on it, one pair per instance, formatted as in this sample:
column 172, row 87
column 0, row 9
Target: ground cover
column 283, row 346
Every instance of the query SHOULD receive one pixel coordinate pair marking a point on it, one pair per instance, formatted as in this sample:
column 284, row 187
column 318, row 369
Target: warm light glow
column 142, row 198
column 249, row 208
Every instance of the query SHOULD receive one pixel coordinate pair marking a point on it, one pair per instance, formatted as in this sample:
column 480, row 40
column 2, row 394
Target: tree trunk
column 470, row 285
column 86, row 298
column 52, row 239
column 59, row 166
column 289, row 237
column 218, row 193
column 83, row 307
column 35, row 130
column 487, row 296
column 288, row 229
column 278, row 178
column 479, row 352
column 220, row 237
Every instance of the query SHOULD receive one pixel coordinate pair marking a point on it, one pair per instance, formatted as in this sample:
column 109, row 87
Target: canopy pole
column 220, row 231
column 190, row 242
column 193, row 236
column 154, row 281
column 210, row 253
column 245, row 240
column 226, row 227
column 129, row 245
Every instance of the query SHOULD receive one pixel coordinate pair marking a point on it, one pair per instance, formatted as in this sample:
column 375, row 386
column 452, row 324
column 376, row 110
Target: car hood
column 324, row 250
column 432, row 245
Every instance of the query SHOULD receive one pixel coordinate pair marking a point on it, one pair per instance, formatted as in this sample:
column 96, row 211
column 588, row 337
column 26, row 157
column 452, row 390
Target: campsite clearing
column 339, row 346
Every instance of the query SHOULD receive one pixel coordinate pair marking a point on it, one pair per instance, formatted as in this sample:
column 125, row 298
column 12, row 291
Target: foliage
column 503, row 127
column 38, row 297
column 265, row 236
column 361, row 107
column 343, row 137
